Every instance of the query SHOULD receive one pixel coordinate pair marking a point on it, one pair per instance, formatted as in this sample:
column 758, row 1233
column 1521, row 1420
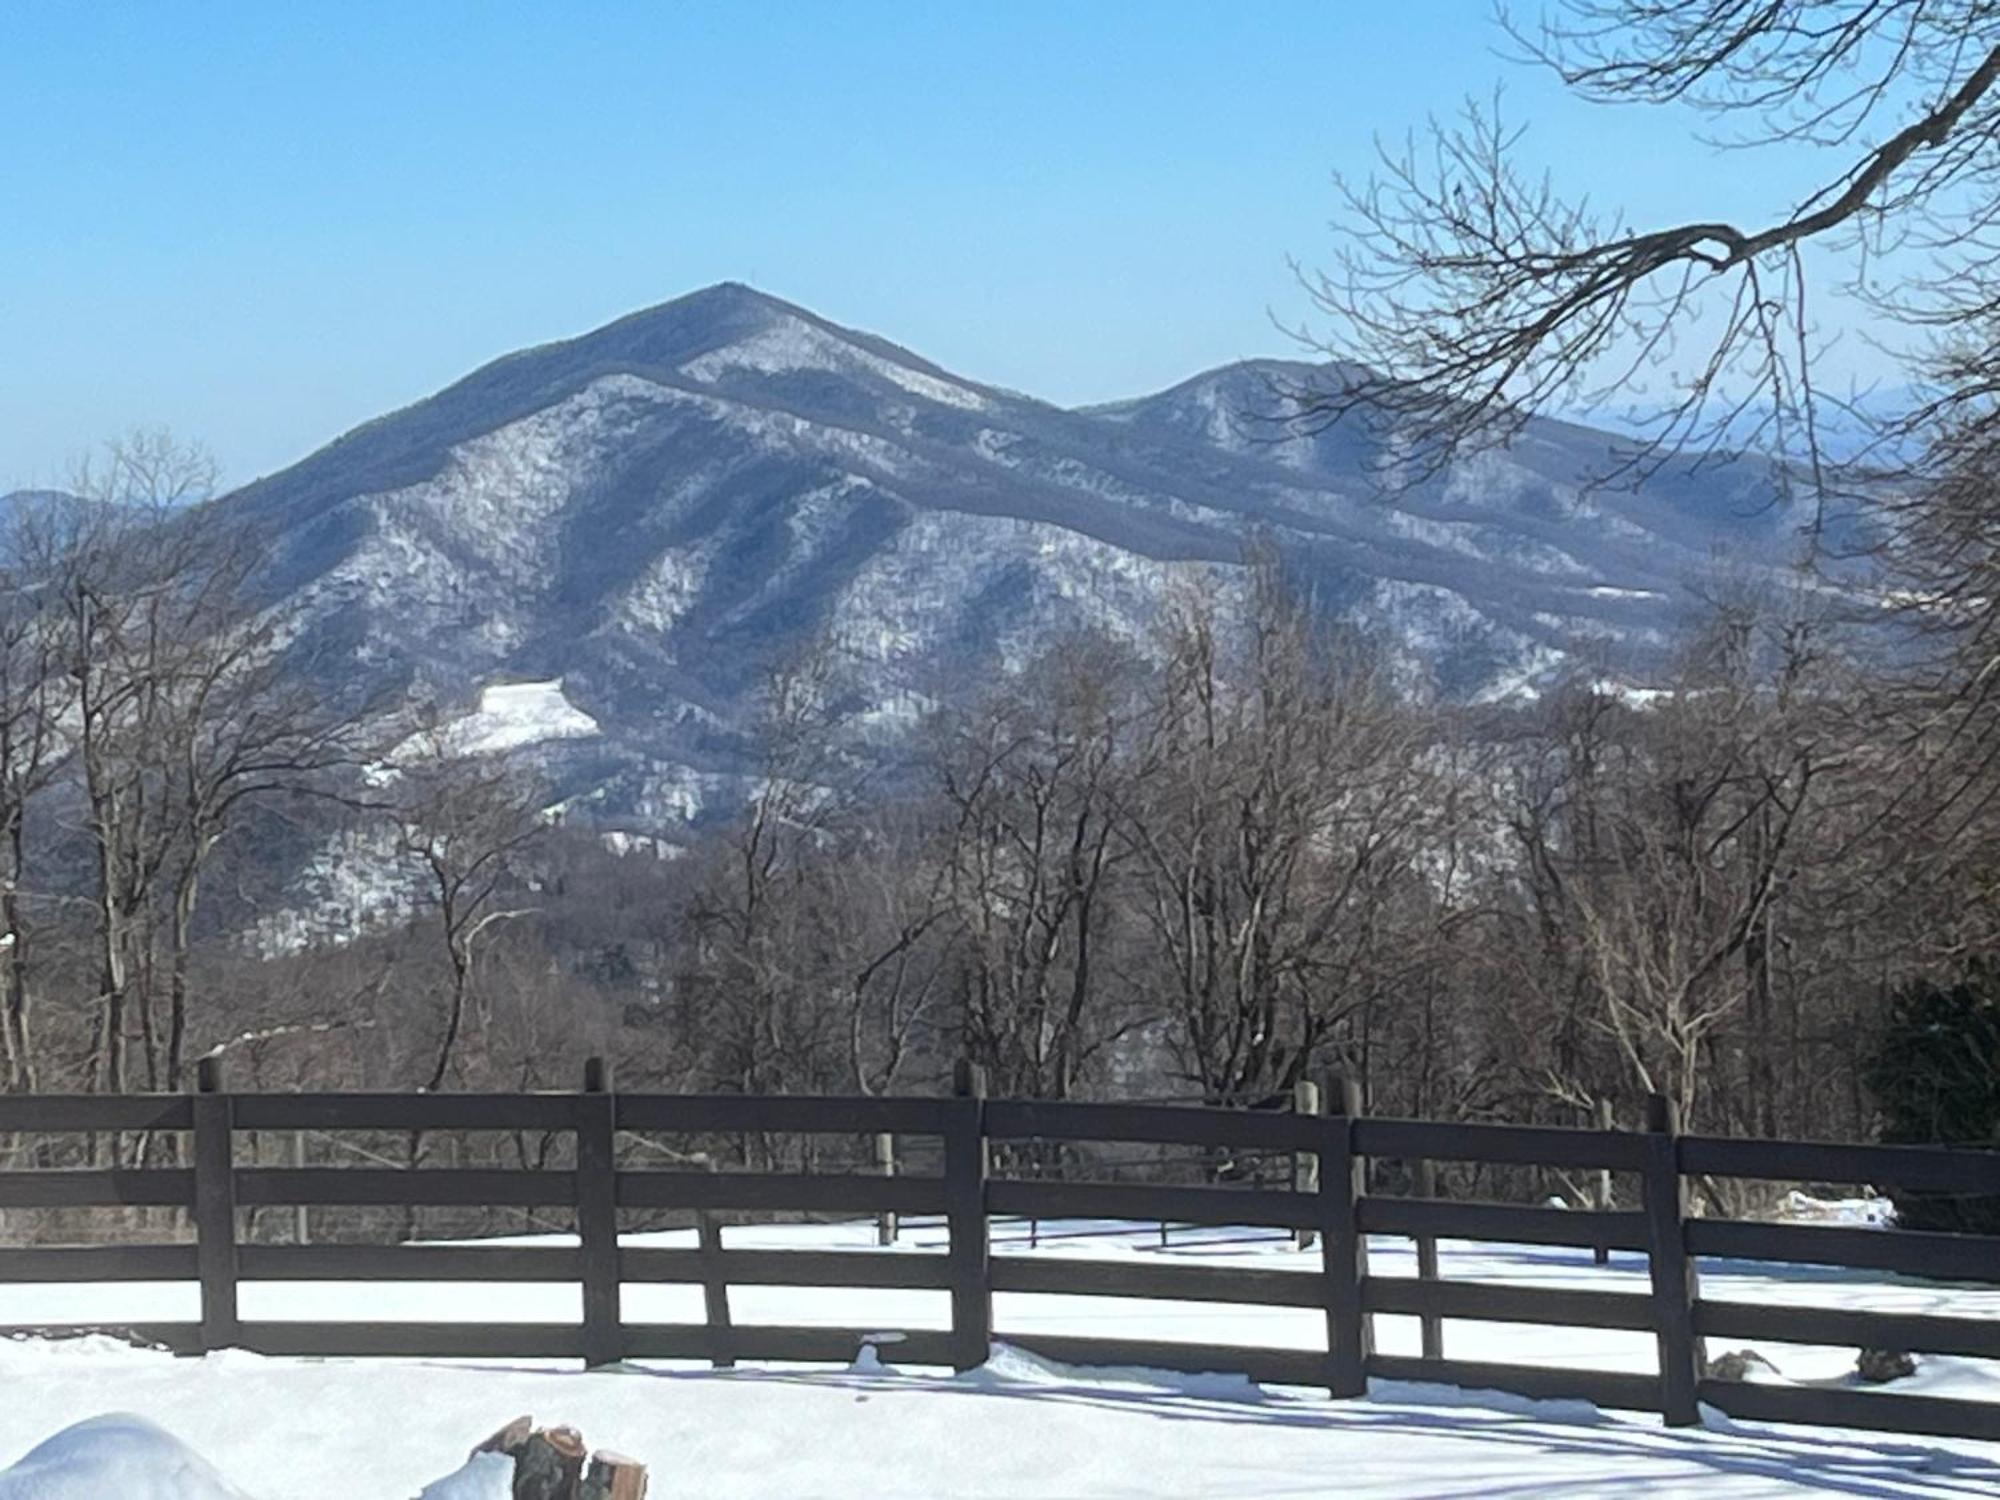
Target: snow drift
column 115, row 1457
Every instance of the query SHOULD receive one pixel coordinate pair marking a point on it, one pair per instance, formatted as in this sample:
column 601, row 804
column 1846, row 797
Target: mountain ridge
column 653, row 510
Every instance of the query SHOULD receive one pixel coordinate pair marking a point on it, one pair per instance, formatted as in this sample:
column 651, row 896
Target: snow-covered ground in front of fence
column 286, row 1429
column 282, row 1428
column 1547, row 1267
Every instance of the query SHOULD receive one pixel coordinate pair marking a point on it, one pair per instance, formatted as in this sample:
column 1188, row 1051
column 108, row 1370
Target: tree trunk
column 14, row 1008
column 186, row 893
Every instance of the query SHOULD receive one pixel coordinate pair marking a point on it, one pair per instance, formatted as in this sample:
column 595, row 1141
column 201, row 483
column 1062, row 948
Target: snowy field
column 287, row 1429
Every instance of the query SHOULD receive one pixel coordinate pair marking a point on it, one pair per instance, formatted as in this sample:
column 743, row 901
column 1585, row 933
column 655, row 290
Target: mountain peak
column 734, row 294
column 651, row 510
column 724, row 301
column 1278, row 382
column 670, row 333
column 705, row 333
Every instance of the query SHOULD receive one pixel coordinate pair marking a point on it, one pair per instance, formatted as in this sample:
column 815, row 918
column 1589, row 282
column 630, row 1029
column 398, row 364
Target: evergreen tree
column 1936, row 1078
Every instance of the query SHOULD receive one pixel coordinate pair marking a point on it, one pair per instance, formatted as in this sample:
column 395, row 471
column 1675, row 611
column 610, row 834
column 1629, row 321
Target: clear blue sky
column 261, row 224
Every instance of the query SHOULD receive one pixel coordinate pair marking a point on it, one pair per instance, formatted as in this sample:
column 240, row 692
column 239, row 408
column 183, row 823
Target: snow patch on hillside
column 1024, row 583
column 672, row 794
column 622, row 843
column 1488, row 481
column 355, row 884
column 1632, row 695
column 1218, row 416
column 792, row 344
column 465, row 553
column 1451, row 536
column 670, row 588
column 1425, row 617
column 1523, row 681
column 512, row 715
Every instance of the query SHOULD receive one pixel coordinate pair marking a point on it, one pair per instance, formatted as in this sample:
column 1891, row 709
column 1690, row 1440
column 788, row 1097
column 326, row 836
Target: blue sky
column 262, row 224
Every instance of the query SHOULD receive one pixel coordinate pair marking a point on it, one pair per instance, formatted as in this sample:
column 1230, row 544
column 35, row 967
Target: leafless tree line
column 1255, row 854
column 143, row 709
column 162, row 757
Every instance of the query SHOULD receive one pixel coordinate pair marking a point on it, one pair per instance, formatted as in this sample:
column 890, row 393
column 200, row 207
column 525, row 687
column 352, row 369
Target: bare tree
column 466, row 823
column 1281, row 799
column 125, row 572
column 241, row 727
column 1469, row 292
column 1659, row 840
column 36, row 692
column 173, row 703
column 1031, row 779
column 761, row 921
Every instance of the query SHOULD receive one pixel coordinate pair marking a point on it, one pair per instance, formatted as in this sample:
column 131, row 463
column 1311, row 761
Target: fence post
column 885, row 1162
column 215, row 1205
column 1601, row 1253
column 597, row 1214
column 1350, row 1336
column 714, row 1289
column 301, row 1214
column 1427, row 1263
column 1305, row 1164
column 965, row 1210
column 1673, row 1272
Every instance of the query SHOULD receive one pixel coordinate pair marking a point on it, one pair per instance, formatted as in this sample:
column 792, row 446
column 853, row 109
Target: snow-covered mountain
column 638, row 520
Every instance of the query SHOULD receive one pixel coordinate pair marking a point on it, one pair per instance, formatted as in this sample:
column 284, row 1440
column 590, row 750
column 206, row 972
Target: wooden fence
column 1335, row 1206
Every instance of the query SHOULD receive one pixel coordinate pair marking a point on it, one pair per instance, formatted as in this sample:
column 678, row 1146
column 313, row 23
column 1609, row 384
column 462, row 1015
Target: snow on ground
column 114, row 1457
column 285, row 1429
column 1019, row 1429
column 1871, row 1213
column 486, row 1476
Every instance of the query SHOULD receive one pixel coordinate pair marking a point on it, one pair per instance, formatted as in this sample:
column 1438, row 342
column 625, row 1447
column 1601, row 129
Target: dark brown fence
column 1336, row 1207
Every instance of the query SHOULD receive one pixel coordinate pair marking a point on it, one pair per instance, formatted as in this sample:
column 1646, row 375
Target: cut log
column 1737, row 1365
column 1880, row 1366
column 613, row 1476
column 508, row 1440
column 550, row 1465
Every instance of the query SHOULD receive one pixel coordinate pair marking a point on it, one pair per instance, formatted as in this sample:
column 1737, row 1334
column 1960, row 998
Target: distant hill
column 649, row 513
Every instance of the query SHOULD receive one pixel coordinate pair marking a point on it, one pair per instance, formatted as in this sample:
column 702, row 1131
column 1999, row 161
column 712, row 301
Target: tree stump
column 612, row 1476
column 550, row 1465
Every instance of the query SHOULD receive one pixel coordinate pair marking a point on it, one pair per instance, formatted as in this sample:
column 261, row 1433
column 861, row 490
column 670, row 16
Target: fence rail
column 1332, row 1205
